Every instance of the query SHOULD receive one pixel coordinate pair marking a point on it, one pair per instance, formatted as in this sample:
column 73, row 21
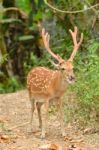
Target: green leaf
column 3, row 21
column 56, row 1
column 24, row 5
column 38, row 16
column 40, row 3
column 26, row 37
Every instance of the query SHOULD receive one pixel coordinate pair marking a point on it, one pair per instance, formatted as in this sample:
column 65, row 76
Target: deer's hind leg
column 32, row 100
column 44, row 119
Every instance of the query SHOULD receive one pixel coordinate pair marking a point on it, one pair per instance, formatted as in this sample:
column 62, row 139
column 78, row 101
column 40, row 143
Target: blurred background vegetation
column 21, row 46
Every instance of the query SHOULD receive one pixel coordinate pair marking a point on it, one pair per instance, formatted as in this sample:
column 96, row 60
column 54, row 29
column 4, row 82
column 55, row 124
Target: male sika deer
column 45, row 85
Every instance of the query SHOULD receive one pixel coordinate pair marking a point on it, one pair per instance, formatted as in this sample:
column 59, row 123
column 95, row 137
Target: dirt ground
column 15, row 111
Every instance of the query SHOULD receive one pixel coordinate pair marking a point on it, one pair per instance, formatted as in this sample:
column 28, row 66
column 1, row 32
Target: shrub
column 87, row 85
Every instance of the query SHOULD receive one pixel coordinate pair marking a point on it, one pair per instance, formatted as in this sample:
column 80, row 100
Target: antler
column 76, row 44
column 46, row 38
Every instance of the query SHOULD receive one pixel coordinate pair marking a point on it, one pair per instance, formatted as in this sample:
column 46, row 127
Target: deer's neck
column 61, row 82
column 64, row 83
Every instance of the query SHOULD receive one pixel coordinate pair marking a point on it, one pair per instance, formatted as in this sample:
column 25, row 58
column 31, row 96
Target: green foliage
column 24, row 5
column 87, row 86
column 10, row 85
column 34, row 62
column 26, row 37
column 10, row 21
column 3, row 59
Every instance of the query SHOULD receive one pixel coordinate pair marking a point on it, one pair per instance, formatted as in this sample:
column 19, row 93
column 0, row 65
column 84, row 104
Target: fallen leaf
column 90, row 131
column 4, row 119
column 77, row 141
column 67, row 138
column 45, row 147
column 12, row 147
column 7, row 138
column 53, row 147
column 49, row 147
column 4, row 137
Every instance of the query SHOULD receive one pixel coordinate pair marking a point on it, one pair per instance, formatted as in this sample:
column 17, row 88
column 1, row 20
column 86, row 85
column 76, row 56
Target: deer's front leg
column 38, row 105
column 61, row 116
column 44, row 119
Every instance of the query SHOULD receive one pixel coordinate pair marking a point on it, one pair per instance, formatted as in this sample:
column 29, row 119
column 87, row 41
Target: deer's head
column 66, row 67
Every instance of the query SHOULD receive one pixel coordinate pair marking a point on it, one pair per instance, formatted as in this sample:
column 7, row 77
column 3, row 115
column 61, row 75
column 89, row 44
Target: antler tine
column 76, row 44
column 46, row 38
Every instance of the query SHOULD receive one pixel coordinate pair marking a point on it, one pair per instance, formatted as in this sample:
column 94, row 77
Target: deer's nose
column 72, row 78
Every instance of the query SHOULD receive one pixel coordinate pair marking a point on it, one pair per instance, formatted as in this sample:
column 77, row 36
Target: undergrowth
column 85, row 104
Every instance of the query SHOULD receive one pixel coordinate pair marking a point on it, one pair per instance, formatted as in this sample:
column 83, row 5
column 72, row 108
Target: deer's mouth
column 70, row 79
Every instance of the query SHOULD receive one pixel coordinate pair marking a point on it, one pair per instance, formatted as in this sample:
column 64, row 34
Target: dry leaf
column 12, row 147
column 77, row 141
column 87, row 130
column 7, row 138
column 67, row 138
column 4, row 137
column 53, row 147
column 49, row 147
column 4, row 119
column 90, row 131
column 45, row 147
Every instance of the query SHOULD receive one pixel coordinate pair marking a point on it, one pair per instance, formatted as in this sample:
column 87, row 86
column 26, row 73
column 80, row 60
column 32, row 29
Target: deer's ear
column 56, row 65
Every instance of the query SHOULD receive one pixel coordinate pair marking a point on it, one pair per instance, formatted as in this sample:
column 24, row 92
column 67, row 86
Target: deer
column 46, row 85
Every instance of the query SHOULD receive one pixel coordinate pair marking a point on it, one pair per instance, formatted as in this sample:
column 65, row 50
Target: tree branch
column 70, row 12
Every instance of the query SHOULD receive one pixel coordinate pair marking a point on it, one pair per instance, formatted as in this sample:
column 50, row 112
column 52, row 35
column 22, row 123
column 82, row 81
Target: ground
column 15, row 135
